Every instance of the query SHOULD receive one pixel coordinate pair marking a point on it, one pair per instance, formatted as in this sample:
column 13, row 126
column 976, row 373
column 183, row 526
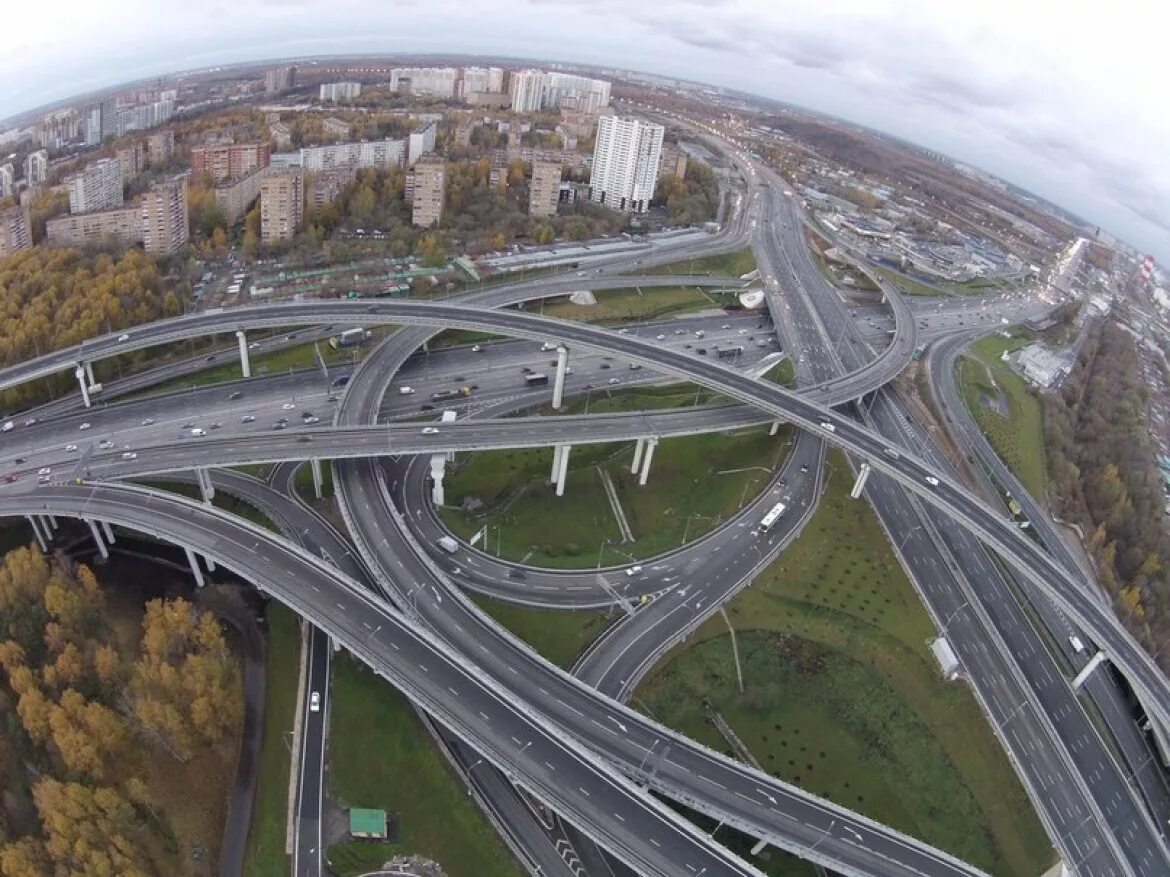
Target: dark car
column 427, row 407
column 517, row 574
column 304, row 438
column 605, row 365
column 209, row 358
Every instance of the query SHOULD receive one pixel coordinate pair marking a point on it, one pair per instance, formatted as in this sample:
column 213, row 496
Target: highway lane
column 612, row 811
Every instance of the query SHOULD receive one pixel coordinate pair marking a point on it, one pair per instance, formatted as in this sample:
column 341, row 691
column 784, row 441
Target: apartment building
column 421, row 140
column 98, row 186
column 160, row 147
column 14, row 231
column 535, row 90
column 281, row 134
column 36, row 167
column 227, row 161
column 7, row 180
column 235, row 197
column 328, row 185
column 433, row 81
column 335, row 127
column 375, row 153
column 122, row 225
column 335, row 91
column 280, row 79
column 164, row 217
column 429, row 178
column 282, row 205
column 544, row 191
column 625, row 163
column 132, row 159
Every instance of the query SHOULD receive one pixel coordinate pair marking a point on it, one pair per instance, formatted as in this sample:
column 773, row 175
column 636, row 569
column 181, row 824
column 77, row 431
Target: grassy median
column 734, row 264
column 1018, row 437
column 557, row 635
column 842, row 695
column 381, row 756
column 634, row 304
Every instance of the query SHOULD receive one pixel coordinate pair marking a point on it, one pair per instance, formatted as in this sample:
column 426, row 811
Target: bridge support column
column 193, row 562
column 651, row 444
column 559, row 382
column 563, row 469
column 210, row 563
column 108, row 530
column 759, row 847
column 206, row 489
column 89, row 373
column 36, row 528
column 318, row 481
column 245, row 360
column 97, row 537
column 79, row 373
column 52, row 521
column 639, row 447
column 438, row 468
column 859, row 485
column 775, row 427
column 48, row 525
column 1094, row 662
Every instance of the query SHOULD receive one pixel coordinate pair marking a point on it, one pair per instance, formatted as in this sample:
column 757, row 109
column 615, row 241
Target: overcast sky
column 1065, row 98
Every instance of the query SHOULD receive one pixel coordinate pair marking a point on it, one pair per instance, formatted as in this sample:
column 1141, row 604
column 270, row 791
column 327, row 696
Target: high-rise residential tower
column 625, row 163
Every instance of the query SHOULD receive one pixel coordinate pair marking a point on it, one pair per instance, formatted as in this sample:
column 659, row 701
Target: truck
column 448, row 544
column 729, row 352
column 448, row 417
column 350, row 337
column 443, row 395
column 535, row 380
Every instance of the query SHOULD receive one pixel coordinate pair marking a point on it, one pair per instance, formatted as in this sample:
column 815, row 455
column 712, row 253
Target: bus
column 536, row 380
column 729, row 352
column 772, row 517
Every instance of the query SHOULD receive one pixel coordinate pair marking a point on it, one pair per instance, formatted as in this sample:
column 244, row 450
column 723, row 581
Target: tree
column 544, row 233
column 26, row 857
column 92, row 831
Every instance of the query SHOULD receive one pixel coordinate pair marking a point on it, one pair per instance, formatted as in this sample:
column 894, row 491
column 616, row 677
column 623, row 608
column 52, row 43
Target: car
column 605, row 365
column 71, row 448
column 209, row 358
column 148, row 421
column 315, row 702
column 634, row 570
column 826, row 425
column 236, row 394
column 304, row 438
column 198, row 433
column 312, row 420
column 291, row 336
column 129, row 455
column 702, row 351
column 10, row 477
column 278, row 425
column 189, row 425
column 892, row 453
column 430, row 430
column 305, row 415
column 427, row 407
column 804, row 468
column 283, row 420
column 932, row 481
column 44, row 479
column 615, row 380
column 680, row 331
column 215, row 426
column 30, row 422
column 526, row 370
column 289, row 406
column 44, row 470
column 123, row 337
column 743, row 331
column 253, row 345
column 475, row 348
column 20, row 460
column 105, row 444
column 85, row 426
column 725, row 326
column 659, row 337
column 634, row 366
column 247, row 418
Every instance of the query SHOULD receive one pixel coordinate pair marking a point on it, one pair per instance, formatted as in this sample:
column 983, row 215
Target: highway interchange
column 400, row 568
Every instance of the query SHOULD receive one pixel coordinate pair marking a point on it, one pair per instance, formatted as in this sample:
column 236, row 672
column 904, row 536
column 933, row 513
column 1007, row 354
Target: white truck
column 448, row 544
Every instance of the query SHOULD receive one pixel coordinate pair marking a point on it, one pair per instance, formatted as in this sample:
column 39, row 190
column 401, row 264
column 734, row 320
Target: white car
column 198, row 433
column 129, row 455
column 247, row 418
column 123, row 337
column 660, row 337
column 476, row 348
column 84, row 426
column 105, row 444
column 71, row 448
column 44, row 470
column 430, row 430
column 634, row 570
column 932, row 481
column 148, row 421
column 891, row 453
column 615, row 380
column 826, row 425
column 289, row 406
column 315, row 702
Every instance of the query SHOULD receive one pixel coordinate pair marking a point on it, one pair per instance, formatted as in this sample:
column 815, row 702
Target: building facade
column 164, row 217
column 335, row 91
column 132, row 158
column 36, row 167
column 7, row 180
column 535, row 90
column 282, row 206
column 625, row 163
column 228, row 161
column 544, row 192
column 97, row 187
column 14, row 231
column 429, row 179
column 122, row 225
column 374, row 153
column 479, row 80
column 280, row 79
column 160, row 147
column 421, row 140
column 335, row 127
column 234, row 198
column 281, row 134
column 328, row 185
column 433, row 81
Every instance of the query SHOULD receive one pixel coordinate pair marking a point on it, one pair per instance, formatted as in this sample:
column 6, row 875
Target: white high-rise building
column 7, row 179
column 97, row 187
column 534, row 90
column 482, row 79
column 434, row 81
column 375, row 153
column 36, row 167
column 336, row 91
column 526, row 88
column 625, row 163
column 421, row 140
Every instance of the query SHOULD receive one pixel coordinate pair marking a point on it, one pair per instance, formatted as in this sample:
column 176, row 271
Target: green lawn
column 1019, row 437
column 304, row 481
column 843, row 697
column 381, row 756
column 634, row 304
column 695, row 483
column 266, row 856
column 722, row 265
column 604, row 400
column 782, row 373
column 557, row 635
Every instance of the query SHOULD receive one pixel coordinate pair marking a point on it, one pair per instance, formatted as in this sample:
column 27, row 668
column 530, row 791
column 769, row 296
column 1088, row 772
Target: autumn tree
column 92, row 831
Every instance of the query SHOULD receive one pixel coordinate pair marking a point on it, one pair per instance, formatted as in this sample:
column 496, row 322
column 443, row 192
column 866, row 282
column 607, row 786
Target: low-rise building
column 335, row 127
column 14, row 232
column 1041, row 366
column 123, row 225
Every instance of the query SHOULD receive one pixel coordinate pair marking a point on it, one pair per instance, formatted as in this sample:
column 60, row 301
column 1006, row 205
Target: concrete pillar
column 210, row 562
column 97, row 537
column 859, row 484
column 52, row 521
column 89, row 373
column 438, row 468
column 79, row 373
column 47, row 526
column 559, row 383
column 315, row 464
column 556, row 463
column 108, row 530
column 639, row 446
column 1096, row 661
column 775, row 427
column 564, row 469
column 245, row 361
column 205, row 487
column 36, row 528
column 651, row 444
column 195, row 570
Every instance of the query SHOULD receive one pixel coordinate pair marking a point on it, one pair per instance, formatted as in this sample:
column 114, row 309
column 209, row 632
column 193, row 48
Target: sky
column 1065, row 99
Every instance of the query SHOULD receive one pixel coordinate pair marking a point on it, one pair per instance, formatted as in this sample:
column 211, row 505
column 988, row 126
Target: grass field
column 782, row 373
column 558, row 636
column 630, row 305
column 723, row 265
column 695, row 483
column 843, row 697
column 381, row 756
column 266, row 856
column 1019, row 437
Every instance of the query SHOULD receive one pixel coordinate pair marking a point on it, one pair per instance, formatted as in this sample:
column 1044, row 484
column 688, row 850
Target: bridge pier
column 206, row 489
column 36, row 528
column 108, row 530
column 560, row 467
column 245, row 360
column 639, row 447
column 651, row 444
column 318, row 481
column 859, row 485
column 775, row 428
column 97, row 537
column 48, row 524
column 52, row 521
column 210, row 563
column 559, row 381
column 79, row 373
column 89, row 373
column 438, row 468
column 1094, row 662
column 193, row 561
